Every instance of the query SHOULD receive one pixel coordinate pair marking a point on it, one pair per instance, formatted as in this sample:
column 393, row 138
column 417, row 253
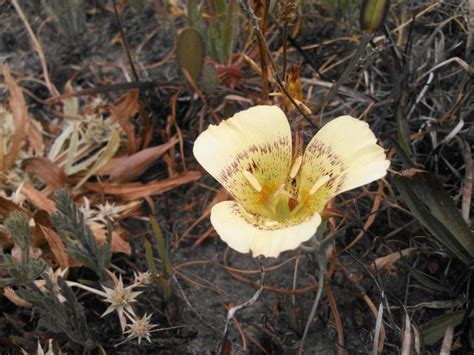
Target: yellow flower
column 279, row 194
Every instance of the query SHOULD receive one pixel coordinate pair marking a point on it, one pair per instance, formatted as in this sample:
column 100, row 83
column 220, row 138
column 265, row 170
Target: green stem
column 322, row 263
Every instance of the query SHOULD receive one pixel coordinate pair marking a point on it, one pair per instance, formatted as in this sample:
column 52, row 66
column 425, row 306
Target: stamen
column 252, row 181
column 319, row 183
column 296, row 167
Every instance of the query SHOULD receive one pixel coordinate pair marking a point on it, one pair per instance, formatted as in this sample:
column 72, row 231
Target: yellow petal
column 345, row 149
column 246, row 232
column 256, row 141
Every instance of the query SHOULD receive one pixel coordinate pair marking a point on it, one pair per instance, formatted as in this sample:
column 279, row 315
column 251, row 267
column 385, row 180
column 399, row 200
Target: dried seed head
column 286, row 12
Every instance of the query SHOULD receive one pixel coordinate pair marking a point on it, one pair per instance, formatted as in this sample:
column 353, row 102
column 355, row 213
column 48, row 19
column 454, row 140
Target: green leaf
column 434, row 330
column 433, row 207
column 160, row 242
column 190, row 52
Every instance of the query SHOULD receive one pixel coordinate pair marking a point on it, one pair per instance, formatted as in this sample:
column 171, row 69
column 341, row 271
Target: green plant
column 78, row 238
column 26, row 268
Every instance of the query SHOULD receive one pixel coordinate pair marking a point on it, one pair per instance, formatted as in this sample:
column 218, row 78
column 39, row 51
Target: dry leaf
column 7, row 207
column 126, row 169
column 45, row 170
column 119, row 245
column 387, row 262
column 134, row 191
column 45, row 230
column 124, row 109
column 14, row 298
column 20, row 114
column 35, row 137
column 37, row 198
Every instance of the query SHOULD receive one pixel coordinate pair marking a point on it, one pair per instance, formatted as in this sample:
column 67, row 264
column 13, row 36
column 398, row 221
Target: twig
column 254, row 21
column 38, row 48
column 261, row 46
column 125, row 46
column 232, row 312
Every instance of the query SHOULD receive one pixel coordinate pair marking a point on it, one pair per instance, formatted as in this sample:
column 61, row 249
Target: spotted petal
column 343, row 155
column 249, row 154
column 246, row 232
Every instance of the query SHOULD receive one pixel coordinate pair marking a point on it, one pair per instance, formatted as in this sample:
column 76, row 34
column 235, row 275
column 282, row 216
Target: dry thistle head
column 120, row 299
column 142, row 278
column 140, row 328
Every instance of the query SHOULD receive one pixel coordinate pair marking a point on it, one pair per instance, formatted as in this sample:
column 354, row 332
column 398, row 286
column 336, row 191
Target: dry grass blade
column 20, row 114
column 447, row 341
column 134, row 191
column 107, row 153
column 37, row 46
column 406, row 344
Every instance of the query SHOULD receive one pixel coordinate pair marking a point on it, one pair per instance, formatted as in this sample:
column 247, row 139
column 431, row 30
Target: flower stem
column 322, row 263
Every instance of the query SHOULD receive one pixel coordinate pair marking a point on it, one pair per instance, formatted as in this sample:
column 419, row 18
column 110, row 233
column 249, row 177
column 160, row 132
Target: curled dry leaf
column 126, row 169
column 20, row 114
column 134, row 191
column 46, row 170
column 14, row 298
column 387, row 262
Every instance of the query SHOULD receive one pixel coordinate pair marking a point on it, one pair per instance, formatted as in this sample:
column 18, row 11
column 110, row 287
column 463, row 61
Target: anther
column 252, row 181
column 296, row 167
column 319, row 183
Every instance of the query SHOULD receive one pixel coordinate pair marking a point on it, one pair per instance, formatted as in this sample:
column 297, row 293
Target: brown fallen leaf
column 34, row 135
column 56, row 246
column 37, row 198
column 45, row 170
column 44, row 230
column 124, row 109
column 19, row 111
column 7, row 207
column 387, row 262
column 119, row 245
column 134, row 191
column 126, row 169
column 14, row 298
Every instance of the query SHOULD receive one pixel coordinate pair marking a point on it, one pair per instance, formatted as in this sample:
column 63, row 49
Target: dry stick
column 254, row 21
column 285, row 47
column 350, row 67
column 231, row 312
column 125, row 46
column 36, row 44
column 263, row 53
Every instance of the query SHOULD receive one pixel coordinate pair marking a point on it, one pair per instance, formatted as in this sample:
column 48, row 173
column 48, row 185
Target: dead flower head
column 120, row 299
column 280, row 193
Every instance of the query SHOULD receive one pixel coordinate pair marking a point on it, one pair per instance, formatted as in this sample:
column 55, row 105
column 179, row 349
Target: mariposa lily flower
column 280, row 191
